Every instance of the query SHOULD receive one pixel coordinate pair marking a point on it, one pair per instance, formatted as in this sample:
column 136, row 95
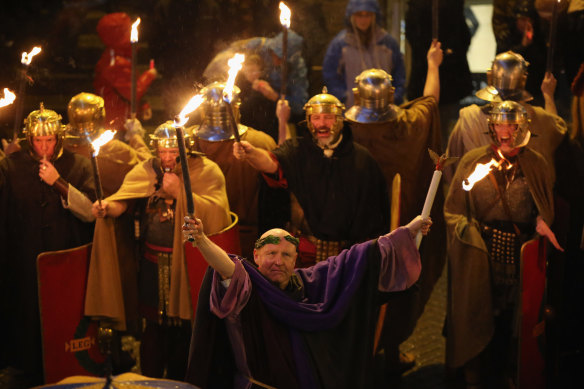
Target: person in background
column 362, row 45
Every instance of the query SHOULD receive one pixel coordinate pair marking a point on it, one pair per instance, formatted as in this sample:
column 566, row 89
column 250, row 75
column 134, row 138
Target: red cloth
column 113, row 78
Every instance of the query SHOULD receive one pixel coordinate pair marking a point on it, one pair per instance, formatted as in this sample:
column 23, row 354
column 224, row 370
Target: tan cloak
column 111, row 286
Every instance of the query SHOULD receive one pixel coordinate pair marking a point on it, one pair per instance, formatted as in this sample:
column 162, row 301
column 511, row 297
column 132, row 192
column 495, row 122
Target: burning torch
column 235, row 65
column 285, row 16
column 25, row 60
column 440, row 162
column 96, row 145
column 134, row 43
column 8, row 98
column 179, row 121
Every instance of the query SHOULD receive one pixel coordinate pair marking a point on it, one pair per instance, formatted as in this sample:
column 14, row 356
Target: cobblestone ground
column 428, row 345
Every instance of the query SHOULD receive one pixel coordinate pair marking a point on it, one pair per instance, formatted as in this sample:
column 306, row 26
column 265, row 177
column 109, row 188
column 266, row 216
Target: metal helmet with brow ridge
column 44, row 122
column 216, row 124
column 510, row 112
column 506, row 79
column 86, row 113
column 325, row 103
column 165, row 136
column 373, row 98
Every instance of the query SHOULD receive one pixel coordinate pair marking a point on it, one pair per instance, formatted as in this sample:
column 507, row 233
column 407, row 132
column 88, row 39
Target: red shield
column 531, row 358
column 228, row 240
column 69, row 338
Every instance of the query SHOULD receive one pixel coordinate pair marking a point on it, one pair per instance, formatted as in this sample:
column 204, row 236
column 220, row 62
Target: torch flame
column 26, row 58
column 134, row 33
column 8, row 98
column 235, row 65
column 481, row 171
column 285, row 15
column 102, row 140
column 192, row 105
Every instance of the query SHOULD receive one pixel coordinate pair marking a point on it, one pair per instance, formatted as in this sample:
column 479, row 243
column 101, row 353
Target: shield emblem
column 69, row 338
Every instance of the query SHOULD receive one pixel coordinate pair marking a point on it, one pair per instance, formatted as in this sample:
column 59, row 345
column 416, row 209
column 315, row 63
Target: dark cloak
column 328, row 338
column 344, row 198
column 32, row 221
column 400, row 146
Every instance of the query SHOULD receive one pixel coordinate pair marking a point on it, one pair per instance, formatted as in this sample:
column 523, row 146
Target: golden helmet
column 325, row 103
column 165, row 136
column 86, row 113
column 44, row 122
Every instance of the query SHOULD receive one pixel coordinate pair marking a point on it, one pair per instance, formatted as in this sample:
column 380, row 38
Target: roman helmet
column 373, row 98
column 510, row 112
column 216, row 120
column 86, row 114
column 165, row 136
column 506, row 79
column 44, row 122
column 325, row 103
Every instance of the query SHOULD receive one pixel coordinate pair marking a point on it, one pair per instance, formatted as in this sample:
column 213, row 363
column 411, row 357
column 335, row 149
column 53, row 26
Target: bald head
column 275, row 254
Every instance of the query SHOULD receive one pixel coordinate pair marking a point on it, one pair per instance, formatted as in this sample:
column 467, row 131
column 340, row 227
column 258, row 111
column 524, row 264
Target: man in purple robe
column 276, row 326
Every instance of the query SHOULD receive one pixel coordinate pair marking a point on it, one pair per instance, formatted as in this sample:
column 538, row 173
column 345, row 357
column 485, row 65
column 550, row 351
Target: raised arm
column 258, row 158
column 215, row 256
column 434, row 57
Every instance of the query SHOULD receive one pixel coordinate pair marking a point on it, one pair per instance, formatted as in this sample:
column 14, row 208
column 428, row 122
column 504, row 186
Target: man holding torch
column 45, row 194
column 487, row 225
column 339, row 195
column 153, row 190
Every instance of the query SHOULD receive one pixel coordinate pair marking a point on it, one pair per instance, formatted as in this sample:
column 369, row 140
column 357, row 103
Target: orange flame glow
column 235, row 65
column 102, row 140
column 191, row 106
column 8, row 98
column 134, row 33
column 481, row 171
column 285, row 15
column 26, row 58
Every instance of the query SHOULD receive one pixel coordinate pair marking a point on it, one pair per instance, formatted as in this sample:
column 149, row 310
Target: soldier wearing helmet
column 45, row 193
column 214, row 137
column 86, row 112
column 499, row 214
column 154, row 194
column 339, row 196
column 398, row 137
column 507, row 78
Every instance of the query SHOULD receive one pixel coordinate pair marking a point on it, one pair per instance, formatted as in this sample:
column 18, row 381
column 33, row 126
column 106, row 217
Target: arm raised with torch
column 134, row 42
column 235, row 65
column 24, row 78
column 440, row 162
column 285, row 16
column 179, row 123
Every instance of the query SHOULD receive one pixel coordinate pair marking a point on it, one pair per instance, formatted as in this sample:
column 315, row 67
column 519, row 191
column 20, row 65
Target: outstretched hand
column 543, row 229
column 241, row 149
column 192, row 229
column 418, row 224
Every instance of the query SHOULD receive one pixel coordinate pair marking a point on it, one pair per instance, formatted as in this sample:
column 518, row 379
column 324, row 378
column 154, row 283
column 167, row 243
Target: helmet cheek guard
column 325, row 103
column 510, row 112
column 44, row 122
column 165, row 137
